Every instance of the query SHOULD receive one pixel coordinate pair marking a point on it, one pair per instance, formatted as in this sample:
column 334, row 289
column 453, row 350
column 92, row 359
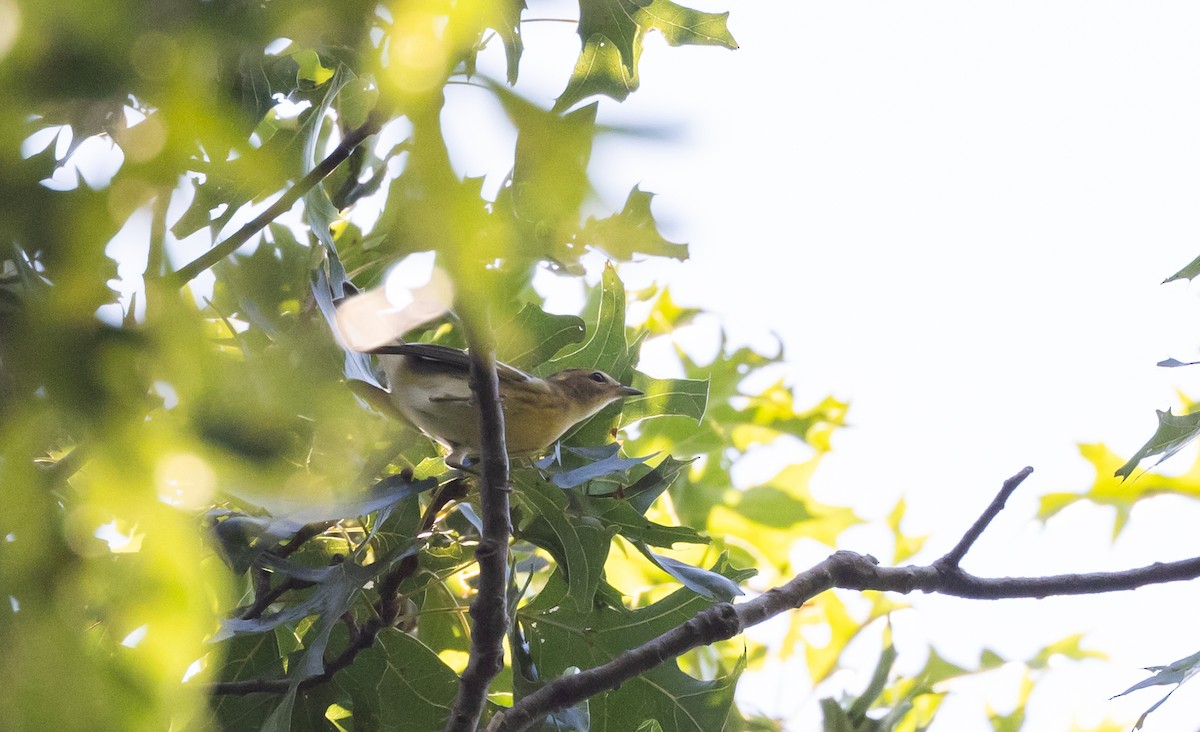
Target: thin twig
column 386, row 610
column 955, row 555
column 489, row 610
column 269, row 595
column 353, row 139
column 61, row 470
column 306, row 532
column 357, row 644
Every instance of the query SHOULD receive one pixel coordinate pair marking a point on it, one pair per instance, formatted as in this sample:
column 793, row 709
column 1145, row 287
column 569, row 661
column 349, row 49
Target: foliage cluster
column 205, row 526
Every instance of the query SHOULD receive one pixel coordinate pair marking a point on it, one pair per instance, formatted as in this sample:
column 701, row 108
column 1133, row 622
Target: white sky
column 955, row 215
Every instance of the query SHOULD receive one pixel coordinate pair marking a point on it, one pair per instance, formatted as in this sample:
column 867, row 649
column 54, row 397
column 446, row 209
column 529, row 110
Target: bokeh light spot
column 10, row 26
column 184, row 480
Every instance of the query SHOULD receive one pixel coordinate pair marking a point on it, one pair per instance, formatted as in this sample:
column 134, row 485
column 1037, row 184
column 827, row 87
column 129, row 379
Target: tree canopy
column 211, row 518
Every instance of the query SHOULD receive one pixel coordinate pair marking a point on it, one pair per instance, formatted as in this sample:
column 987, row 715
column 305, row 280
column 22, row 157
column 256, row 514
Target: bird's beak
column 629, row 391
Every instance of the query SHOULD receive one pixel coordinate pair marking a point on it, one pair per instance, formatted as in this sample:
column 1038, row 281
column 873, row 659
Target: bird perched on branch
column 430, row 387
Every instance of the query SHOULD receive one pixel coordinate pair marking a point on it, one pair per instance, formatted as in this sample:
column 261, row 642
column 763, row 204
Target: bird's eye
column 598, row 377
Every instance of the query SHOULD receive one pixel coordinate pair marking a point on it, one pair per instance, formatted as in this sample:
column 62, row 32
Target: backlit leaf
column 1174, row 432
column 533, row 336
column 665, row 398
column 1109, row 490
column 612, row 34
column 630, row 232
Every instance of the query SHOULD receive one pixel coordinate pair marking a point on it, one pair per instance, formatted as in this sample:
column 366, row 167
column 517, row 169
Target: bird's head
column 589, row 390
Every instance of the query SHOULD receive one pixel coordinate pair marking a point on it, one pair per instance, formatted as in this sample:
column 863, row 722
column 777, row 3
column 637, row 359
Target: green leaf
column 906, row 545
column 264, row 286
column 382, row 497
column 246, row 658
column 650, row 486
column 1109, row 490
column 561, row 636
column 527, row 679
column 533, row 336
column 1069, row 647
column 295, row 711
column 870, row 696
column 665, row 316
column 601, row 462
column 311, row 69
column 358, row 97
column 665, row 398
column 1187, row 273
column 704, row 582
column 443, row 623
column 627, row 521
column 209, row 195
column 549, row 176
column 401, row 682
column 1174, row 432
column 319, row 212
column 504, row 16
column 1176, row 673
column 579, row 544
column 773, row 515
column 612, row 33
column 834, row 718
column 598, row 71
column 606, row 348
column 633, row 231
column 337, row 586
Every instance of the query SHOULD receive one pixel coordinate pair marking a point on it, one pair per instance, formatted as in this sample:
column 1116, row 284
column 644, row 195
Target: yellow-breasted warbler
column 429, row 386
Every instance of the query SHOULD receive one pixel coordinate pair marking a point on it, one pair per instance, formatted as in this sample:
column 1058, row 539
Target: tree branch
column 353, row 139
column 846, row 570
column 387, row 606
column 489, row 610
column 955, row 555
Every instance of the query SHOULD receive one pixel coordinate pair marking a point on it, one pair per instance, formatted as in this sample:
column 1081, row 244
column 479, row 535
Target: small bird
column 429, row 386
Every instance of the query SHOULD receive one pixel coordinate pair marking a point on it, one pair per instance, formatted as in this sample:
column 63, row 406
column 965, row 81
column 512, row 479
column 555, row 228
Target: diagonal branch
column 353, row 139
column 955, row 555
column 846, row 570
column 489, row 610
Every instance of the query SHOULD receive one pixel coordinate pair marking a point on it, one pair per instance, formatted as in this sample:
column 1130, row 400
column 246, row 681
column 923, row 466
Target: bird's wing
column 451, row 357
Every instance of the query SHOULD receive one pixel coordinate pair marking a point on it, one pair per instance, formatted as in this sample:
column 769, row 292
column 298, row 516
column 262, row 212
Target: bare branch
column 353, row 139
column 845, row 570
column 955, row 555
column 489, row 610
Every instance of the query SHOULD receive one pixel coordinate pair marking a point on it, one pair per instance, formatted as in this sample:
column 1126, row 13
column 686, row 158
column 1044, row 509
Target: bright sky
column 956, row 216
